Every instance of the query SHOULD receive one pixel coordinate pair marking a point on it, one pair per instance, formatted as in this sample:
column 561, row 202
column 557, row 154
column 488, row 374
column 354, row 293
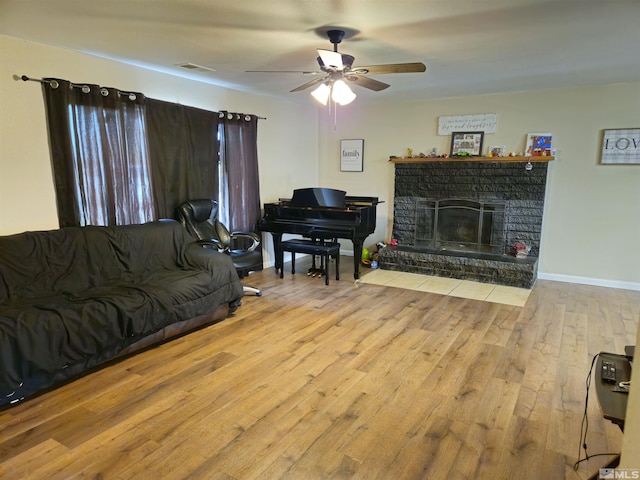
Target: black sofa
column 74, row 298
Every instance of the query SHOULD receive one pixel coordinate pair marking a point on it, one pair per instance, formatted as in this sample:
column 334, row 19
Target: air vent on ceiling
column 194, row 66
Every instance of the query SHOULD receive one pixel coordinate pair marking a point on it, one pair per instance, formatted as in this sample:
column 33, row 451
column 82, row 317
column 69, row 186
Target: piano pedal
column 315, row 272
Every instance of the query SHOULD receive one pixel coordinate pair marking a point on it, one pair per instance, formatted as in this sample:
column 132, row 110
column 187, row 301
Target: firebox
column 460, row 225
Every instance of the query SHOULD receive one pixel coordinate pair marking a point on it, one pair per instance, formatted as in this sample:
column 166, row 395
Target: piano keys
column 321, row 213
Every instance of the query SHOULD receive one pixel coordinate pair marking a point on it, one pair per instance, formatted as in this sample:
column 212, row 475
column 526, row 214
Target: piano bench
column 311, row 247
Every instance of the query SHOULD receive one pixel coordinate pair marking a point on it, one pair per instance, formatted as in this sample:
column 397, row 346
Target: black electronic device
column 612, row 401
column 608, row 371
column 615, row 372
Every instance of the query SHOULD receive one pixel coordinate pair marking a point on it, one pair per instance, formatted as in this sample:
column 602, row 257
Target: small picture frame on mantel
column 497, row 151
column 352, row 155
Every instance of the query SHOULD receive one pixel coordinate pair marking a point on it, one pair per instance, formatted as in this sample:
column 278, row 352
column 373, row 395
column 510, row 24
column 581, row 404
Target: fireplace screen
column 460, row 225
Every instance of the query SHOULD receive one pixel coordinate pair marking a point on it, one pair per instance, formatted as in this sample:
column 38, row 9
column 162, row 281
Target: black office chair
column 200, row 218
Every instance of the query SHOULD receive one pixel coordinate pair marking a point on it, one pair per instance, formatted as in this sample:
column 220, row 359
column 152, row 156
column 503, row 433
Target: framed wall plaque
column 352, row 155
column 621, row 147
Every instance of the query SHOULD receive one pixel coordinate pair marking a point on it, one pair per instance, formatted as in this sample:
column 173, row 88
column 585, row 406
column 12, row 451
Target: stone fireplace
column 462, row 219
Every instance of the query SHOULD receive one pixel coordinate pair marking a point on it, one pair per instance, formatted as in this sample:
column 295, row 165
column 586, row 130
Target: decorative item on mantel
column 496, row 151
column 466, row 144
column 409, row 154
column 538, row 145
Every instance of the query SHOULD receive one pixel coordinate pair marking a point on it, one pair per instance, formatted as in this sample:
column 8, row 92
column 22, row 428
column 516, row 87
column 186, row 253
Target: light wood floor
column 341, row 381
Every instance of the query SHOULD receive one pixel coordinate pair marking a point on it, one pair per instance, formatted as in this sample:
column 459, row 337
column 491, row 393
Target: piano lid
column 318, row 197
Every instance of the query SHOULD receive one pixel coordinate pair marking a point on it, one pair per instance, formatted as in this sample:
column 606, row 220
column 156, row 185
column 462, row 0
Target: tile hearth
column 448, row 286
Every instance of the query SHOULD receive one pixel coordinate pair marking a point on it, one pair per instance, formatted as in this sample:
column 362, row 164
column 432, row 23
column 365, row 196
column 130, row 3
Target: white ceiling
column 469, row 46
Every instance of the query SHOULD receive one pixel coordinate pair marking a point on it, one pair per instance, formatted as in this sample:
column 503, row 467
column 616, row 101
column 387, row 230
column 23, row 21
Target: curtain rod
column 85, row 87
column 54, row 84
column 224, row 113
column 24, row 78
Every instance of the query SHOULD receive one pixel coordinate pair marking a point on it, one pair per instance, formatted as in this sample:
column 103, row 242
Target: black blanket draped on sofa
column 73, row 298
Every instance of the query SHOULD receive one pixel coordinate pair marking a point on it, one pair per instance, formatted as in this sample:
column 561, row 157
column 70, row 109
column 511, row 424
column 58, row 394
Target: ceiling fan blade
column 331, row 59
column 313, row 82
column 414, row 67
column 366, row 82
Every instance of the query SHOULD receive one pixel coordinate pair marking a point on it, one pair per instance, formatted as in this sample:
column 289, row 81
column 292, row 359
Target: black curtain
column 183, row 152
column 88, row 124
column 120, row 158
column 240, row 194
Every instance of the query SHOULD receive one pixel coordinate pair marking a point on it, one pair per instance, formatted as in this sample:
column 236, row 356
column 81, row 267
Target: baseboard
column 599, row 282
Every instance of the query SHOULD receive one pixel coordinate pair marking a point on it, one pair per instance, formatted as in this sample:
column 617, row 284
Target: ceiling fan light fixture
column 321, row 94
column 341, row 93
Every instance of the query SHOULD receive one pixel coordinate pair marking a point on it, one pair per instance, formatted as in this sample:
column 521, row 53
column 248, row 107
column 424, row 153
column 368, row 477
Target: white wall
column 591, row 225
column 287, row 139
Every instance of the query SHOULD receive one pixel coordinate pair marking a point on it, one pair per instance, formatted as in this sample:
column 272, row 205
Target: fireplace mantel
column 547, row 158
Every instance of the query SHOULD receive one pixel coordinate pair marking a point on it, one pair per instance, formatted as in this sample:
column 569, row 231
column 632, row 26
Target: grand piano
column 321, row 213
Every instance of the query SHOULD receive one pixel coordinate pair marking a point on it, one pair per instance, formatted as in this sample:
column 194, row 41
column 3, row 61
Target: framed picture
column 538, row 145
column 497, row 151
column 464, row 144
column 621, row 147
column 352, row 155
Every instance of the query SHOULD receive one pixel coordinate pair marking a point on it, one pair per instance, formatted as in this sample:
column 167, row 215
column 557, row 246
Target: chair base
column 255, row 291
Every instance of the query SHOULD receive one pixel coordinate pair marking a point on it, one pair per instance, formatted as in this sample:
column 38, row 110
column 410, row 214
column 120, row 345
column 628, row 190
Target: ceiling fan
column 336, row 68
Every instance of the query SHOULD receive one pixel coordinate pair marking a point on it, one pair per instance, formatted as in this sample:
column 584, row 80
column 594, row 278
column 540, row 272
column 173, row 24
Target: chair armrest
column 255, row 239
column 211, row 242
